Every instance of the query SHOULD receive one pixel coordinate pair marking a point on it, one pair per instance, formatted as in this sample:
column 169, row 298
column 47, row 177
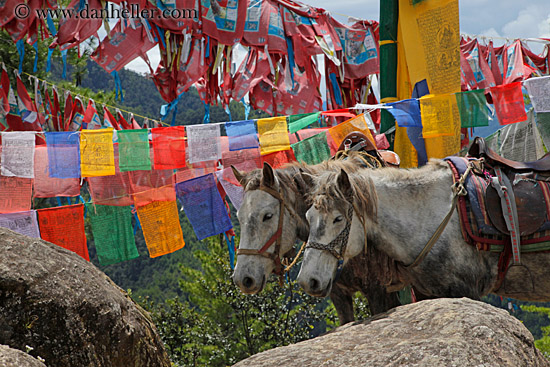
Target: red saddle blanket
column 481, row 215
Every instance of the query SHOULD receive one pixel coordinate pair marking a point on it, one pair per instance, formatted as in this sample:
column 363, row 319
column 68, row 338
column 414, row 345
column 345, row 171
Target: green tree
column 219, row 326
column 542, row 344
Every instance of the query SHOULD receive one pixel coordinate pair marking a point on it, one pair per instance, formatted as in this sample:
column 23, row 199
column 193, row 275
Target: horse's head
column 340, row 207
column 268, row 228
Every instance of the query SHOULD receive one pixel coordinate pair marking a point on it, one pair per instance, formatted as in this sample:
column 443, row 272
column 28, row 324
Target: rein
column 458, row 190
column 275, row 256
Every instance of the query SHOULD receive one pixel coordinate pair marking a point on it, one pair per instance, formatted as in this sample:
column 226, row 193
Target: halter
column 340, row 242
column 275, row 238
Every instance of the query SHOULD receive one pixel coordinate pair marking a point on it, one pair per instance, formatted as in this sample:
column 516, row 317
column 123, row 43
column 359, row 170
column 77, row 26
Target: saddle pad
column 479, row 211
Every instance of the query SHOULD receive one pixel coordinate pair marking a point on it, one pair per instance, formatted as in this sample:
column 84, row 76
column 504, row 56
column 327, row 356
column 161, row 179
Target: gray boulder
column 68, row 311
column 440, row 332
column 15, row 358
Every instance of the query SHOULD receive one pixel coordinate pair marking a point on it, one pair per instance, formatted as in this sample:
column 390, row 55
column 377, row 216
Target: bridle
column 336, row 247
column 275, row 256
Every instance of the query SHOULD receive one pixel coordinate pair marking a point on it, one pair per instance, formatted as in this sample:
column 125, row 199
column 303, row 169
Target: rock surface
column 440, row 332
column 15, row 358
column 68, row 311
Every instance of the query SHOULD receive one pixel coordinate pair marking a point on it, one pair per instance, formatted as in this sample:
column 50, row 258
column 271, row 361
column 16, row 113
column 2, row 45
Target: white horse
column 400, row 210
column 268, row 193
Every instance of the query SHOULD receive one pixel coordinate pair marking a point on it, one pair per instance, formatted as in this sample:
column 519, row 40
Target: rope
column 287, row 269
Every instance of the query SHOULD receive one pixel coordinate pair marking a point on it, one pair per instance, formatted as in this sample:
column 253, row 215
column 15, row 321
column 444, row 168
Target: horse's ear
column 268, row 176
column 240, row 176
column 308, row 178
column 344, row 183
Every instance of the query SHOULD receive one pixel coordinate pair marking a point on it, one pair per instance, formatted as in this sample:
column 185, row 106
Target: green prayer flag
column 298, row 122
column 113, row 233
column 312, row 150
column 133, row 150
column 471, row 106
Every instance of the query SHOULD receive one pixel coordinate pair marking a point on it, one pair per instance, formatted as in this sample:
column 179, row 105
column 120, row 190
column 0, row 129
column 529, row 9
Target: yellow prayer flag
column 97, row 154
column 161, row 227
column 437, row 115
column 446, row 145
column 273, row 133
column 357, row 123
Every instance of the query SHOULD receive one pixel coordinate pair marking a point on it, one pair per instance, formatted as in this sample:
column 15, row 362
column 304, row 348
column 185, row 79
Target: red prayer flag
column 168, row 147
column 15, row 194
column 508, row 100
column 278, row 159
column 64, row 226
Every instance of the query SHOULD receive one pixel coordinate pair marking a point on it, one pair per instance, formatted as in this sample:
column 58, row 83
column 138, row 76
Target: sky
column 492, row 18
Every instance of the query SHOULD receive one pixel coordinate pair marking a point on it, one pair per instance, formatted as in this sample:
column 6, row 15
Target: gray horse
column 259, row 220
column 398, row 211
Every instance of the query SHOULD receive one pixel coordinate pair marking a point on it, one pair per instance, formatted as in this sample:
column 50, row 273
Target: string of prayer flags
column 508, row 100
column 406, row 113
column 538, row 92
column 279, row 159
column 18, row 154
column 203, row 143
column 21, row 222
column 97, row 154
column 64, row 226
column 273, row 135
column 472, row 109
column 204, row 206
column 231, row 186
column 168, row 147
column 241, row 135
column 63, row 154
column 133, row 150
column 46, row 186
column 15, row 194
column 358, row 123
column 312, row 150
column 161, row 227
column 437, row 115
column 298, row 122
column 113, row 233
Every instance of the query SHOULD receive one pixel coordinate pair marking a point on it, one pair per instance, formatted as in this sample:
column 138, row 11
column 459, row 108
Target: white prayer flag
column 18, row 154
column 538, row 89
column 203, row 143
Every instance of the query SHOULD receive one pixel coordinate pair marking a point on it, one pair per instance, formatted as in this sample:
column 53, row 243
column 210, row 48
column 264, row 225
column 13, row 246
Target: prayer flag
column 97, row 155
column 63, row 154
column 64, row 226
column 471, row 105
column 15, row 194
column 231, row 186
column 161, row 227
column 273, row 135
column 113, row 233
column 46, row 186
column 168, row 147
column 298, row 122
column 437, row 115
column 21, row 222
column 279, row 159
column 358, row 123
column 406, row 113
column 241, row 135
column 204, row 206
column 203, row 143
column 508, row 100
column 538, row 92
column 18, row 154
column 312, row 150
column 133, row 150
column 195, row 170
column 111, row 190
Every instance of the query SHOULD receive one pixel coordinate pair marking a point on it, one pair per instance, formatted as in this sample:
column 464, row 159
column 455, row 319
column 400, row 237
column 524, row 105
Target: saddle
column 523, row 178
column 357, row 141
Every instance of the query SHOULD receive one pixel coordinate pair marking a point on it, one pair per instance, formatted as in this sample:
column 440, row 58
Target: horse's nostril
column 313, row 284
column 248, row 282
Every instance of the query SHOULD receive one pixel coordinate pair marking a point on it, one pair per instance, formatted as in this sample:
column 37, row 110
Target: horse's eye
column 268, row 216
column 338, row 219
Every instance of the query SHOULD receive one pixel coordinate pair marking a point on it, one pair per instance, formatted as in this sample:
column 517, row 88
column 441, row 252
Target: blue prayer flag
column 406, row 113
column 241, row 135
column 63, row 154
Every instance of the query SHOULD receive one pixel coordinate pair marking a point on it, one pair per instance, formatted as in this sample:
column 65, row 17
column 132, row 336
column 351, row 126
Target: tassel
column 291, row 62
column 64, row 58
column 35, row 67
column 231, row 249
column 246, row 109
column 21, row 50
column 206, row 118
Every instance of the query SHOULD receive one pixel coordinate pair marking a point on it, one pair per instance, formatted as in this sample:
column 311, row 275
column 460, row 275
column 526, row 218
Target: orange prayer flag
column 64, row 226
column 358, row 123
column 161, row 227
column 273, row 133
